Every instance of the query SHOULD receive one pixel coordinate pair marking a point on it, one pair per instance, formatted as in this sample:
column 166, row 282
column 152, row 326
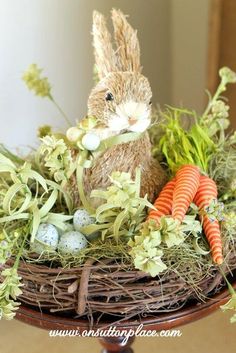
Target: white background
column 55, row 34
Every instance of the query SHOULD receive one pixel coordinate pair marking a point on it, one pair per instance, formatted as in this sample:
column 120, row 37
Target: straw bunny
column 121, row 101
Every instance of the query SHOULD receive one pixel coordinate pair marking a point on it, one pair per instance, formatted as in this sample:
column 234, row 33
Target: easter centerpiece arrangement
column 131, row 211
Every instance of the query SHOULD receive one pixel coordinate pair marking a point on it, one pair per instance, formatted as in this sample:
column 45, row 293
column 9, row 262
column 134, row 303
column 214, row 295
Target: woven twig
column 83, row 288
column 110, row 288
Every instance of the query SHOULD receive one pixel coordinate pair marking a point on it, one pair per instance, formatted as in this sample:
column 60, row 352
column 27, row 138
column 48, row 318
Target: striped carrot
column 163, row 203
column 187, row 183
column 207, row 192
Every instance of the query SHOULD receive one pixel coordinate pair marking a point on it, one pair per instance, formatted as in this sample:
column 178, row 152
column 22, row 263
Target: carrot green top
column 197, row 144
column 180, row 146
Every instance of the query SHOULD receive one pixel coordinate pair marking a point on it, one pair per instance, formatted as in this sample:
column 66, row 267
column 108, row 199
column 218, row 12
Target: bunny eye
column 150, row 103
column 109, row 96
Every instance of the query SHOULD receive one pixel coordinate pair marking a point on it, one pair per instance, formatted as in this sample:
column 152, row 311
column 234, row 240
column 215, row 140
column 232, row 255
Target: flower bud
column 90, row 142
column 73, row 134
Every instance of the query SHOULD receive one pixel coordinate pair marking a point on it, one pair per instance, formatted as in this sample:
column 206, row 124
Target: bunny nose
column 132, row 121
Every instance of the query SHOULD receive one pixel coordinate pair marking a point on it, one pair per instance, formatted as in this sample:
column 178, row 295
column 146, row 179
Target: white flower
column 220, row 109
column 227, row 75
column 131, row 116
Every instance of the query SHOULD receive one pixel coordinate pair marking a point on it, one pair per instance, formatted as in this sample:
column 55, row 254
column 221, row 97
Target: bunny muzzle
column 130, row 116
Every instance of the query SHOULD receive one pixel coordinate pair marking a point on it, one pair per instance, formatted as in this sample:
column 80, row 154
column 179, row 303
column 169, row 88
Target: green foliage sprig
column 29, row 197
column 204, row 139
column 181, row 146
column 7, row 243
column 57, row 158
column 122, row 209
column 10, row 288
column 216, row 107
column 145, row 250
column 148, row 247
column 41, row 86
column 222, row 169
column 9, row 291
column 231, row 304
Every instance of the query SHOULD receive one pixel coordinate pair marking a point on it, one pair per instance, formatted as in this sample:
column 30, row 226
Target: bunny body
column 126, row 158
column 121, row 102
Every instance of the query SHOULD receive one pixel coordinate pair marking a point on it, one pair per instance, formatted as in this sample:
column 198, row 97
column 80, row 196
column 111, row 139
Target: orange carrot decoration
column 207, row 192
column 175, row 198
column 163, row 203
column 187, row 183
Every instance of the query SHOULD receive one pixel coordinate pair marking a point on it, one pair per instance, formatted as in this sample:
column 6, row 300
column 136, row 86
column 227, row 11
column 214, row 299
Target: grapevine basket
column 110, row 291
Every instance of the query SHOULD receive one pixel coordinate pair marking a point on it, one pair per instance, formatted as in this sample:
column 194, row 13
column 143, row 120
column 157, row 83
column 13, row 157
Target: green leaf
column 198, row 249
column 101, row 209
column 48, row 204
column 83, row 199
column 117, row 224
column 36, row 219
column 138, row 181
column 14, row 158
column 31, row 174
column 10, row 195
column 67, row 197
column 26, row 204
column 233, row 319
column 57, row 219
column 93, row 228
column 5, row 168
column 6, row 161
column 14, row 217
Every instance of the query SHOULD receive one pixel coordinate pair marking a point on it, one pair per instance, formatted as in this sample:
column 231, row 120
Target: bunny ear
column 128, row 50
column 104, row 54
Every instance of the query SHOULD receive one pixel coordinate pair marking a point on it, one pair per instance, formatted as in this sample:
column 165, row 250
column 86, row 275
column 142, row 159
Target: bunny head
column 121, row 101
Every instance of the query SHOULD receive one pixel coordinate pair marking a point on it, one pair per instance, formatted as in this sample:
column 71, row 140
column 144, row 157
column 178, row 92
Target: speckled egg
column 72, row 243
column 82, row 219
column 46, row 238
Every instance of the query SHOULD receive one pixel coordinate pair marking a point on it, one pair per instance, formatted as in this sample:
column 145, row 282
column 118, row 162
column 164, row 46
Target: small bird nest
column 111, row 290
